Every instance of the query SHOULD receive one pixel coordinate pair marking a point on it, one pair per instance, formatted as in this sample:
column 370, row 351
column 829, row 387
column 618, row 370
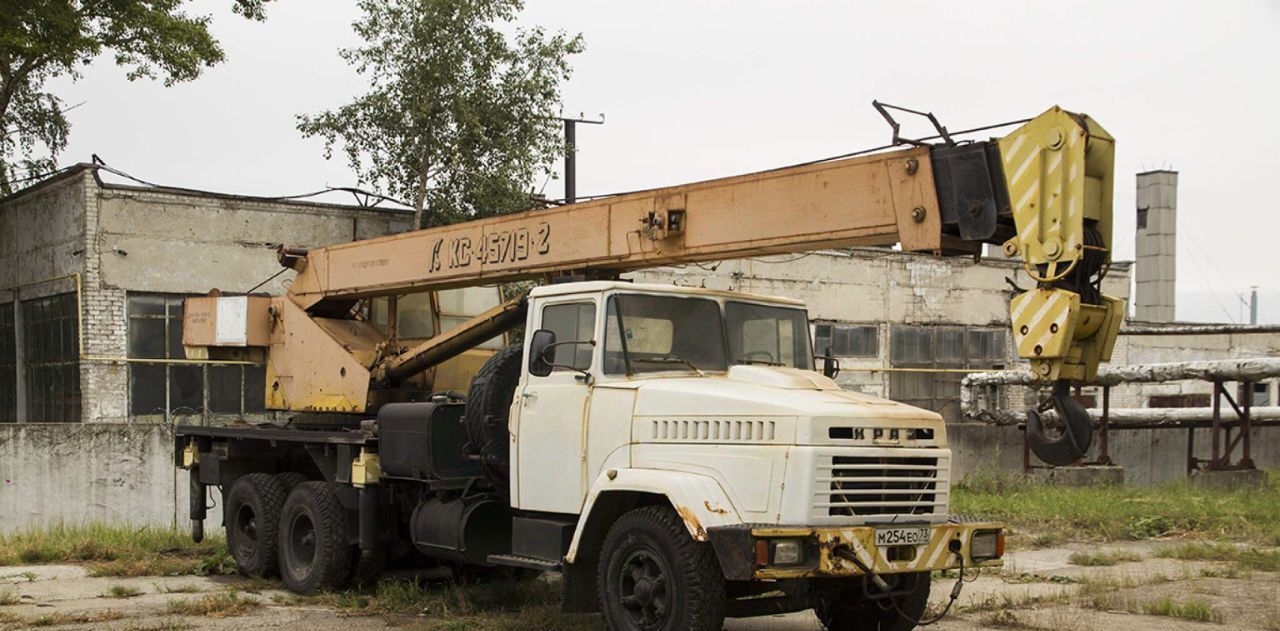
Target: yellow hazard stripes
column 1058, row 170
column 1046, row 168
column 1044, row 323
column 934, row 555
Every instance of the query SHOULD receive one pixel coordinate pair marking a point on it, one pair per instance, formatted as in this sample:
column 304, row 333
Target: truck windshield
column 663, row 333
column 768, row 335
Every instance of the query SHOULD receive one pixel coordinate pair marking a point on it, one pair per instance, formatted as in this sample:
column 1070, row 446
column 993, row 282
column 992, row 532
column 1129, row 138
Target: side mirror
column 540, row 345
column 830, row 365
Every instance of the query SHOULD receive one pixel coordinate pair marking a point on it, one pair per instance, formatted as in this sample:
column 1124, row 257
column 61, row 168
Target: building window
column 1261, row 395
column 171, row 389
column 947, row 350
column 51, row 355
column 459, row 305
column 846, row 340
column 1142, row 218
column 1178, row 401
column 8, row 366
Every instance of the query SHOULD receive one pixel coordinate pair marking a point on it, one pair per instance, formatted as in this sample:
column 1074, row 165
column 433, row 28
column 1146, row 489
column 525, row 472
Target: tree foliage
column 43, row 39
column 460, row 117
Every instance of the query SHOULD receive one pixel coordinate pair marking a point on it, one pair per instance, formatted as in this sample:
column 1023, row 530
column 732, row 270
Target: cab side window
column 571, row 322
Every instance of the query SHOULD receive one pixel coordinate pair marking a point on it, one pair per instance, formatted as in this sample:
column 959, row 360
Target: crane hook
column 1077, row 430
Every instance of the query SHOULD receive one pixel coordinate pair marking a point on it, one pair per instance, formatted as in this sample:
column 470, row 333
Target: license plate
column 901, row 536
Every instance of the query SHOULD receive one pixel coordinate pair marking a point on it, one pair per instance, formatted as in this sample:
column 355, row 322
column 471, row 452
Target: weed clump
column 220, row 605
column 1102, row 559
column 118, row 550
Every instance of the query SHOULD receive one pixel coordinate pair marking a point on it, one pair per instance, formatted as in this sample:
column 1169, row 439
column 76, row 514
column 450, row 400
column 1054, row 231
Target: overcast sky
column 699, row 89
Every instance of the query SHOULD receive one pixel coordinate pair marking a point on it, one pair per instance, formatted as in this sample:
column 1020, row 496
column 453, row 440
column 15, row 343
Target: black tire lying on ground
column 488, row 411
column 850, row 610
column 315, row 551
column 252, row 517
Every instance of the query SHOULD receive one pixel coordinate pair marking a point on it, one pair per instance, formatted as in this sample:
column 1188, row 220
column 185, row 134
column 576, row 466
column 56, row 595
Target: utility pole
column 570, row 157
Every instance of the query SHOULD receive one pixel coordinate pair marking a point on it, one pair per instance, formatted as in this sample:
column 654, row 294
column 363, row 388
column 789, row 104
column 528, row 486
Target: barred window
column 846, row 340
column 949, row 350
column 51, row 355
column 8, row 365
column 174, row 390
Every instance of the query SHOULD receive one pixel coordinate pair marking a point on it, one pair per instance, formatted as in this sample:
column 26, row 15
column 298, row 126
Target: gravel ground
column 53, row 594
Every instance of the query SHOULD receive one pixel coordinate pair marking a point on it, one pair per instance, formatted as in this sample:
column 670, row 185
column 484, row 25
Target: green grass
column 1247, row 559
column 1192, row 609
column 1117, row 513
column 1105, row 558
column 118, row 550
column 472, row 606
column 11, row 621
column 167, row 624
column 219, row 605
column 8, row 596
column 122, row 591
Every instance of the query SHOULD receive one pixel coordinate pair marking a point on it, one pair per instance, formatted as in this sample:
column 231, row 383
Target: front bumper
column 739, row 549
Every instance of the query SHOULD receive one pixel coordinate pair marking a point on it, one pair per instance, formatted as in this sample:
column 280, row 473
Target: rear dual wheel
column 315, row 552
column 253, row 516
column 289, row 526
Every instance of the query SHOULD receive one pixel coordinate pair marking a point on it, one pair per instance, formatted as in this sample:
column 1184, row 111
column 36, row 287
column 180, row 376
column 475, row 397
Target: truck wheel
column 314, row 550
column 489, row 410
column 653, row 575
column 291, row 479
column 253, row 514
column 850, row 610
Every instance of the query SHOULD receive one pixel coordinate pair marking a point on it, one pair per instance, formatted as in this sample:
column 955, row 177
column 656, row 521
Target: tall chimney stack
column 1253, row 304
column 1155, row 270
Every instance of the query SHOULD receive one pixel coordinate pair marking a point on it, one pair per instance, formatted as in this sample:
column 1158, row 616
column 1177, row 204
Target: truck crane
column 678, row 455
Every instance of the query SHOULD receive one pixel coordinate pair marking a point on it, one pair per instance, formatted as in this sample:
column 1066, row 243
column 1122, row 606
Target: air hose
column 848, row 555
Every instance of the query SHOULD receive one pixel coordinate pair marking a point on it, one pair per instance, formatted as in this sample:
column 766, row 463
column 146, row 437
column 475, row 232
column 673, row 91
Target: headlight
column 986, row 545
column 787, row 552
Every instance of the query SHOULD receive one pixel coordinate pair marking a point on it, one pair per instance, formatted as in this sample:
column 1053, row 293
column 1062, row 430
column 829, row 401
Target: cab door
column 551, row 410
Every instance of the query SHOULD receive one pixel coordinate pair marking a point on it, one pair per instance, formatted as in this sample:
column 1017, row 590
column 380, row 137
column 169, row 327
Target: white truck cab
column 708, row 401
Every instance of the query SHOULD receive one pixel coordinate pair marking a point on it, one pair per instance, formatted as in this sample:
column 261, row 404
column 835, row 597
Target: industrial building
column 93, row 373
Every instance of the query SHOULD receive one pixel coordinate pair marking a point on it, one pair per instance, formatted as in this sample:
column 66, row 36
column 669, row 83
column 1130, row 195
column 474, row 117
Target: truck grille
column 849, row 486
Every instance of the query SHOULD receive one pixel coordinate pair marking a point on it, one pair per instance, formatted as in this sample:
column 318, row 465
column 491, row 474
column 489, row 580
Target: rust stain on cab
column 691, row 520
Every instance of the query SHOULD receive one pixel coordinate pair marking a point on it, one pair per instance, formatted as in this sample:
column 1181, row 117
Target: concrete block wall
column 1149, row 457
column 71, row 473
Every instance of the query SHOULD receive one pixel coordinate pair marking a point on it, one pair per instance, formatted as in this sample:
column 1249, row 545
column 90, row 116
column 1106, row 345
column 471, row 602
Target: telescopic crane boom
column 1043, row 192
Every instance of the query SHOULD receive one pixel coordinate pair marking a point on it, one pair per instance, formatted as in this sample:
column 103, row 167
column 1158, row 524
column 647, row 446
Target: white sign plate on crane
column 231, row 323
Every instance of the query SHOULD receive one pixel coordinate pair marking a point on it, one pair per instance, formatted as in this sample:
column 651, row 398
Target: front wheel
column 654, row 576
column 849, row 609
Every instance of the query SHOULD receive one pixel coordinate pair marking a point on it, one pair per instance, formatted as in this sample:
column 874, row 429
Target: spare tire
column 488, row 413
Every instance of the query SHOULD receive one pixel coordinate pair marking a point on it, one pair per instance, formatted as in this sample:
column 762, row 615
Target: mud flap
column 1077, row 430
